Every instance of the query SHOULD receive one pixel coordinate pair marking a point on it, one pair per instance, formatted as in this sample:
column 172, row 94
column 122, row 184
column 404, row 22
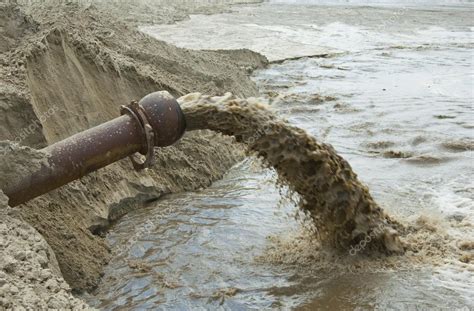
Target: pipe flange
column 136, row 111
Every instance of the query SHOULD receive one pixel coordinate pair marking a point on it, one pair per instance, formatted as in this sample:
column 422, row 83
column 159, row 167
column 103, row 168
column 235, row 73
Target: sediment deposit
column 30, row 277
column 65, row 68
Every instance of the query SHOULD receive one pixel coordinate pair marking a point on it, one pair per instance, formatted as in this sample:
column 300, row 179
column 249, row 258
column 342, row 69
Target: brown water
column 341, row 208
column 394, row 98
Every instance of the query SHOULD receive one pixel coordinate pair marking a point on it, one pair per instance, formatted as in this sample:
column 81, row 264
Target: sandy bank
column 29, row 272
column 67, row 68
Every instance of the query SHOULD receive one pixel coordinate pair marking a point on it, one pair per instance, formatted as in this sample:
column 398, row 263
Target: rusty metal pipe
column 157, row 120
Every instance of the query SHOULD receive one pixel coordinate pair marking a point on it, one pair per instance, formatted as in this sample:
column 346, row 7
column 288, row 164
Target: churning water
column 391, row 88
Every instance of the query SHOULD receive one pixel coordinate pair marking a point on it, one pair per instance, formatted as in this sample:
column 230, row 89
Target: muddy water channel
column 391, row 88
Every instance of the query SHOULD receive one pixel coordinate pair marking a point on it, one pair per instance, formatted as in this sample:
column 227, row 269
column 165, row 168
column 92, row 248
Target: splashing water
column 392, row 92
column 341, row 207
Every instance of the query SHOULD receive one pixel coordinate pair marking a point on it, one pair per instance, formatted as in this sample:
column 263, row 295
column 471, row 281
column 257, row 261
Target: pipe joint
column 155, row 121
column 137, row 112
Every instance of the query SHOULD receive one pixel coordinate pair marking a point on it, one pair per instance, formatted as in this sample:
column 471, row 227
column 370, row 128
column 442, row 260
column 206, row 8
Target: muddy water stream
column 393, row 94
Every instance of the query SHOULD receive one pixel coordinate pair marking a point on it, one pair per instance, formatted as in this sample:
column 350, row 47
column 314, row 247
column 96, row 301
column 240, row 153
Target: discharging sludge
column 341, row 207
column 306, row 155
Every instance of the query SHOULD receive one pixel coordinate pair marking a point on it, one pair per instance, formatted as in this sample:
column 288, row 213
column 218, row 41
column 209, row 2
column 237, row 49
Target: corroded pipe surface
column 159, row 122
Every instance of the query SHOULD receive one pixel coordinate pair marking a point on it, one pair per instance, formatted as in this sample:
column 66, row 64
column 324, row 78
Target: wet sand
column 114, row 64
column 68, row 67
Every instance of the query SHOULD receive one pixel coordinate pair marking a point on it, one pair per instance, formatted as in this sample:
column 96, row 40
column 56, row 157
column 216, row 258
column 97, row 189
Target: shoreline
column 85, row 63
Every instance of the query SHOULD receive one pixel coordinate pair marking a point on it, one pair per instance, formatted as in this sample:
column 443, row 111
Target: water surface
column 391, row 88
